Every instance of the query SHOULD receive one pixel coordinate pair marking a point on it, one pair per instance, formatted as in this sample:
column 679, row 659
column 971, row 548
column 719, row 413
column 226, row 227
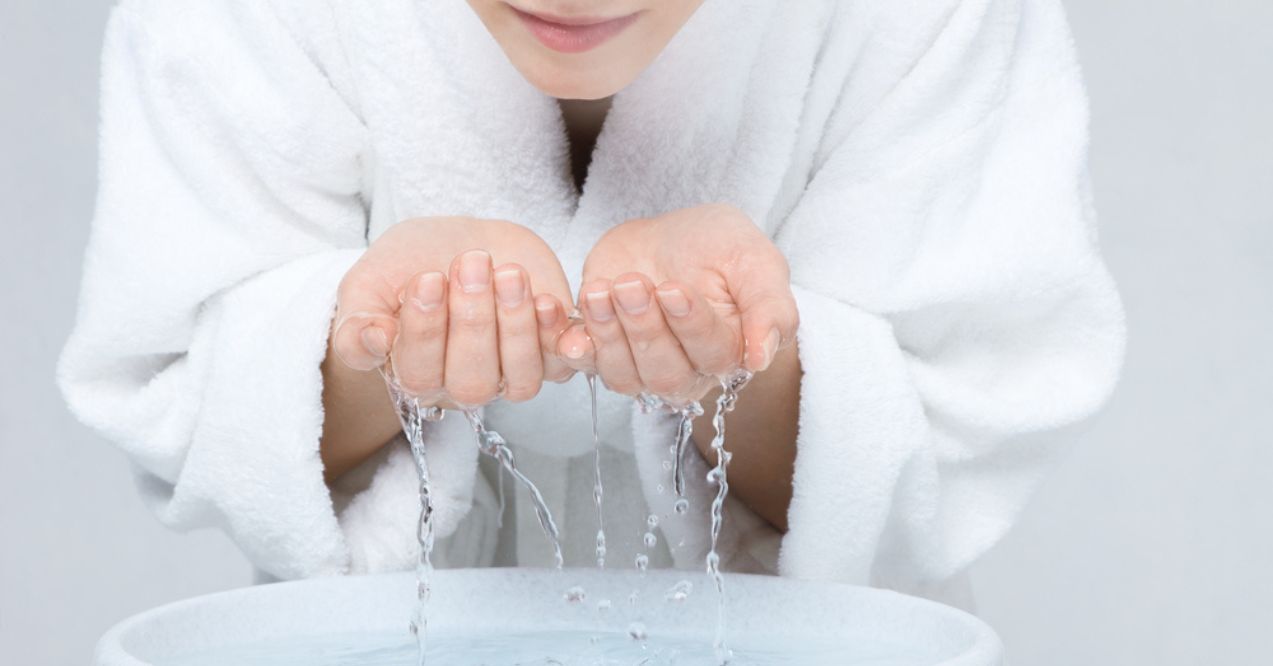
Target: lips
column 573, row 34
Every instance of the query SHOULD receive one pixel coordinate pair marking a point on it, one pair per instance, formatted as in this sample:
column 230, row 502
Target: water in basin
column 559, row 648
column 500, row 617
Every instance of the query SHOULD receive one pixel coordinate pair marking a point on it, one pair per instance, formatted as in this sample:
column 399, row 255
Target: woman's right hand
column 465, row 309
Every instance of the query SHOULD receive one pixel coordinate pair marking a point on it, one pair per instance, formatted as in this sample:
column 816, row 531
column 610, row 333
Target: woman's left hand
column 671, row 303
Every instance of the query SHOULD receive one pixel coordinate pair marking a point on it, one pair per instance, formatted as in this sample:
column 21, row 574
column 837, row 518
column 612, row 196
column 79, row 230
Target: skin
column 466, row 311
column 594, row 74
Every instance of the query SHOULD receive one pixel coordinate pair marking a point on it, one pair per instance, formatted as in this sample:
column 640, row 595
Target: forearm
column 358, row 417
column 761, row 433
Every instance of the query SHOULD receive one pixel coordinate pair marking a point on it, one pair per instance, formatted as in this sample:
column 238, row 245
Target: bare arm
column 358, row 417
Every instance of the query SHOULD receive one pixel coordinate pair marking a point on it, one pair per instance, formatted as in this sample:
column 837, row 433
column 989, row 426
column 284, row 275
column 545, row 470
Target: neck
column 584, row 119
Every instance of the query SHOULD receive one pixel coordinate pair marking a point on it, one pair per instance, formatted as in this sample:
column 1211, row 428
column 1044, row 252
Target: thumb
column 762, row 292
column 366, row 321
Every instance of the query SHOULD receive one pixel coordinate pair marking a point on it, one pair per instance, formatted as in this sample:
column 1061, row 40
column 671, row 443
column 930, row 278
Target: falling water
column 493, row 444
column 412, row 417
column 730, row 387
column 684, row 433
column 598, row 491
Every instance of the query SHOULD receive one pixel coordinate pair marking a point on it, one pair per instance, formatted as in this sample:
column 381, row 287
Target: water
column 493, row 444
column 680, row 591
column 730, row 387
column 632, row 647
column 598, row 491
column 684, row 434
column 412, row 418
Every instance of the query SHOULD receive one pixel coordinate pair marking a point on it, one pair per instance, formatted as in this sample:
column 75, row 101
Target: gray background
column 1151, row 544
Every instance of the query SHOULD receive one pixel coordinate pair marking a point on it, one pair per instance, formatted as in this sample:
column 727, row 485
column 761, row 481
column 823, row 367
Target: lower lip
column 573, row 38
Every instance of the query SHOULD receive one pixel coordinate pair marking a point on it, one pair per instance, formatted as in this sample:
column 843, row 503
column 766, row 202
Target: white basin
column 857, row 625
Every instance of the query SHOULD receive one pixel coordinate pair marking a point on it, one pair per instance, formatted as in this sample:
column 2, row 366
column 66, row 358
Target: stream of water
column 598, row 491
column 413, row 418
column 730, row 387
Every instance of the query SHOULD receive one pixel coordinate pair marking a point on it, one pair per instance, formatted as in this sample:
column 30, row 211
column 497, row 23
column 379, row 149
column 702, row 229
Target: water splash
column 412, row 417
column 493, row 444
column 730, row 387
column 684, row 434
column 680, row 591
column 598, row 491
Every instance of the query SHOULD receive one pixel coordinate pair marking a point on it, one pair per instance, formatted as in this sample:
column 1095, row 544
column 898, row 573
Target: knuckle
column 470, row 318
column 518, row 328
column 640, row 333
column 424, row 326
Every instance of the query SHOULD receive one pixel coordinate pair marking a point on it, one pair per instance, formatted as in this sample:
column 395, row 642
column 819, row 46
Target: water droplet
column 575, row 595
column 680, row 592
column 659, row 488
column 667, row 465
column 637, row 631
column 652, row 521
column 604, row 605
column 682, row 505
column 642, row 562
column 632, row 598
column 650, row 539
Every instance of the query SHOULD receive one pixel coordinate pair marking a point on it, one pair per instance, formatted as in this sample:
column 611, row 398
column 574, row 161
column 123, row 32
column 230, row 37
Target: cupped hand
column 674, row 302
column 465, row 310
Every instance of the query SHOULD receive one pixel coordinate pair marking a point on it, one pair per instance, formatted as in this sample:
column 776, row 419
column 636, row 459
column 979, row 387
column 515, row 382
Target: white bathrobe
column 920, row 162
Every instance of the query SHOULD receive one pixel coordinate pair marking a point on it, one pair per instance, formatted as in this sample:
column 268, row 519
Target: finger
column 713, row 347
column 552, row 320
column 661, row 364
column 761, row 287
column 366, row 320
column 472, row 349
column 419, row 352
column 769, row 324
column 576, row 350
column 521, row 363
column 613, row 359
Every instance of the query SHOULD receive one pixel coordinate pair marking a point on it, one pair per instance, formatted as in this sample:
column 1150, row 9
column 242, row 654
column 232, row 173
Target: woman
column 296, row 193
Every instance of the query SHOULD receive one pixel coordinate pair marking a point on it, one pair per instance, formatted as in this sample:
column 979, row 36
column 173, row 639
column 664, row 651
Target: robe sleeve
column 953, row 301
column 229, row 210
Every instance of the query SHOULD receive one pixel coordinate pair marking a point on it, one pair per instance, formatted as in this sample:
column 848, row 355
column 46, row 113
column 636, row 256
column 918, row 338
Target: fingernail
column 547, row 312
column 510, row 288
column 429, row 289
column 632, row 297
column 375, row 341
column 575, row 351
column 771, row 346
column 475, row 271
column 674, row 302
column 599, row 307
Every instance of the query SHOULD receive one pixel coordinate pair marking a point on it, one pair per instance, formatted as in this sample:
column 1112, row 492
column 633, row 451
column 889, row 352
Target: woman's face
column 583, row 49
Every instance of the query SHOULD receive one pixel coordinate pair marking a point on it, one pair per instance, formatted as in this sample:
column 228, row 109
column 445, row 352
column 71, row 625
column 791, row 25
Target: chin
column 573, row 83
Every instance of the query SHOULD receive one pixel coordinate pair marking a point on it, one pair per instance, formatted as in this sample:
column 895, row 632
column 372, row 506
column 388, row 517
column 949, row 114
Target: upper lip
column 568, row 20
